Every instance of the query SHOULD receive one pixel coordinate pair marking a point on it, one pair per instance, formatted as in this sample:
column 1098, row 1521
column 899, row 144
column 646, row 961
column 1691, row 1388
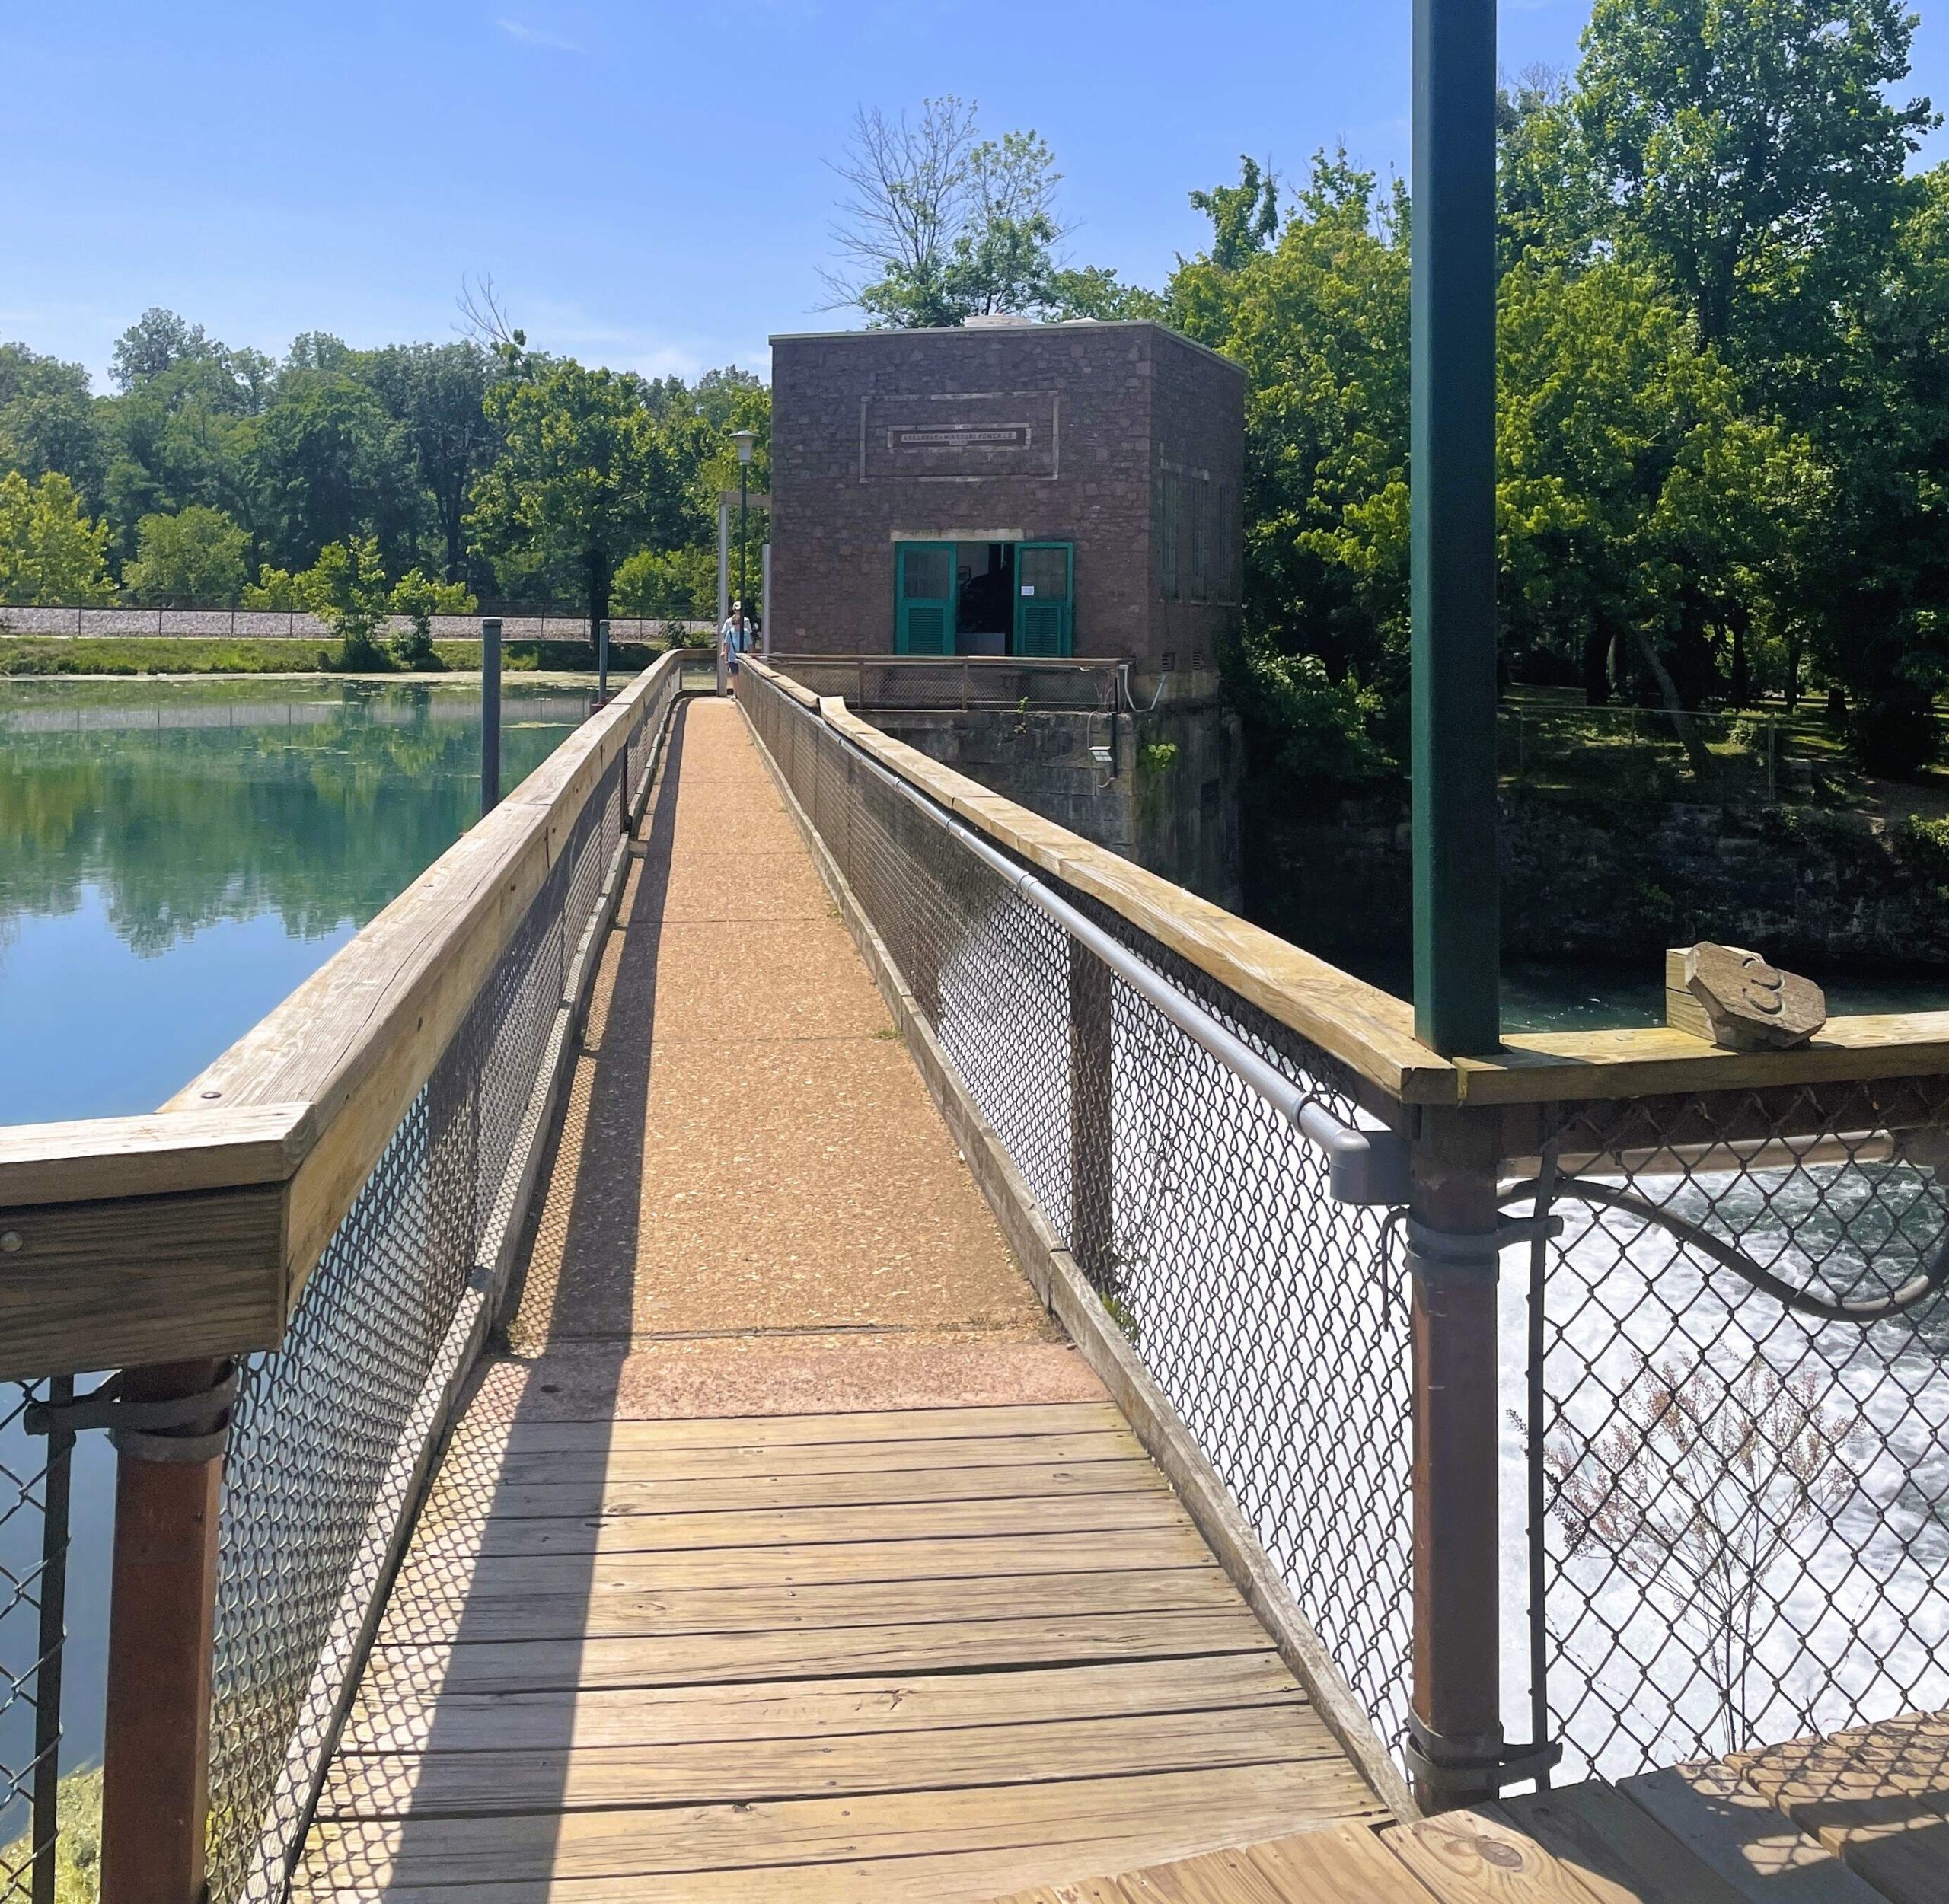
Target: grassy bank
column 77, row 1857
column 179, row 655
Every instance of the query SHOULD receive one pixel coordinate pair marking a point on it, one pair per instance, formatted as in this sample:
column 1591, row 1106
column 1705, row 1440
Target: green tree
column 679, row 585
column 437, row 393
column 1753, row 155
column 940, row 225
column 583, row 481
column 332, row 467
column 50, row 552
column 47, row 420
column 1319, row 322
column 1245, row 217
column 419, row 600
column 346, row 588
column 193, row 558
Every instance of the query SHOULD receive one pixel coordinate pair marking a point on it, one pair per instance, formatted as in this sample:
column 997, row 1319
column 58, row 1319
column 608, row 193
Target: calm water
column 175, row 858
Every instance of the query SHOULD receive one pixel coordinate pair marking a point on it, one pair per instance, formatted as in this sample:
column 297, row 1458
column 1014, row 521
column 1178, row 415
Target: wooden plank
column 1348, row 1861
column 1330, row 1866
column 980, row 1421
column 803, row 1527
column 966, row 1877
column 973, row 1558
column 164, row 1153
column 812, row 1710
column 1763, row 1855
column 552, row 1778
column 141, row 1280
column 1477, row 1856
column 417, row 1617
column 858, row 1457
column 696, row 1659
column 1621, row 1854
column 1878, row 1798
column 1199, row 1810
column 1539, row 1067
column 925, row 1486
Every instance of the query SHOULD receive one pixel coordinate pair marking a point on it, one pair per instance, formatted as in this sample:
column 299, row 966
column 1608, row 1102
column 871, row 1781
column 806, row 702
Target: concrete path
column 789, row 1551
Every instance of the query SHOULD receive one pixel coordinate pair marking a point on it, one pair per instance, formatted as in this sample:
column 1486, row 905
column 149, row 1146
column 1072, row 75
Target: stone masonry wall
column 1809, row 888
column 1171, row 806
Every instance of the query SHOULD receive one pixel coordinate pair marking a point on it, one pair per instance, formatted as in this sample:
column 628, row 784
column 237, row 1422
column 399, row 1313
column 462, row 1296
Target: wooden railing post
column 161, row 1631
column 1456, row 1740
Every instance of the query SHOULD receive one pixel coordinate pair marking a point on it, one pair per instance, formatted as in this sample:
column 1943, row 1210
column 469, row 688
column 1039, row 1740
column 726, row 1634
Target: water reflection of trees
column 321, row 820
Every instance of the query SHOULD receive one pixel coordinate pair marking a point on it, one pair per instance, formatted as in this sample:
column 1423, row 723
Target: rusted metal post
column 1092, row 1239
column 161, row 1631
column 1456, row 1742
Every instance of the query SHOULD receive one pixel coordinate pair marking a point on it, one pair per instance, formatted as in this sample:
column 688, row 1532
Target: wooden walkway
column 791, row 1554
column 788, row 1553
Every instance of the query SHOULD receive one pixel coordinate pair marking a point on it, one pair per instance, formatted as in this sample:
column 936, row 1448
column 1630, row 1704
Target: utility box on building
column 1007, row 488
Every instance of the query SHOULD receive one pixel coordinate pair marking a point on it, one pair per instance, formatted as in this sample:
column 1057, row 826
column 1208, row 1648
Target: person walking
column 734, row 639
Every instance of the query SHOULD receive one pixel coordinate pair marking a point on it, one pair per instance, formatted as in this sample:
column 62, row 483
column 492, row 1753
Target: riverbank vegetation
column 1723, row 307
column 132, row 654
column 413, row 480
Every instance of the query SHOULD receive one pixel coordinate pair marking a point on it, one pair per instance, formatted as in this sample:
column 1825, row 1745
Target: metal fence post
column 1092, row 1235
column 161, row 1634
column 490, row 713
column 53, row 1589
column 1456, row 1740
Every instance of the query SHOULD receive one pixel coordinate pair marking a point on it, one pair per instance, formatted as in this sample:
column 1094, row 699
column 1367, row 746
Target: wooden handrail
column 190, row 1231
column 1370, row 1030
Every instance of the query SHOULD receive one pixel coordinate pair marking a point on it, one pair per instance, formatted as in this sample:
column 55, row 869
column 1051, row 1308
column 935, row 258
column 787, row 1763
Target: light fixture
column 747, row 441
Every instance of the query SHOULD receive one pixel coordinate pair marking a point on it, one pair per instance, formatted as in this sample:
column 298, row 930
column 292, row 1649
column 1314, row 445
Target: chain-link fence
column 1732, row 1425
column 333, row 1431
column 1272, row 1317
column 33, row 1547
column 1725, row 1486
column 1644, row 753
column 129, row 622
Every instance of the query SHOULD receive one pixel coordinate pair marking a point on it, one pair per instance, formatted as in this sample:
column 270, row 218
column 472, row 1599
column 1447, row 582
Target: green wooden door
column 924, row 593
column 1044, row 609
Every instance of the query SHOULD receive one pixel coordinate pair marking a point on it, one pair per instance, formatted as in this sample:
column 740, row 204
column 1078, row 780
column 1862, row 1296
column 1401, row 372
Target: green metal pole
column 1457, row 962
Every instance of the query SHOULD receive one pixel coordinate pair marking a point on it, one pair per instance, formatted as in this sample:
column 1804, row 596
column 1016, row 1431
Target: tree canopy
column 213, row 475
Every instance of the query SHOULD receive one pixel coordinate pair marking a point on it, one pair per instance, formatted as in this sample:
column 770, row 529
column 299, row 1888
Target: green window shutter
column 923, row 594
column 924, row 630
column 1045, row 605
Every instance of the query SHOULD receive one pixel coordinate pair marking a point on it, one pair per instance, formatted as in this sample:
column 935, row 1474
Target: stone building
column 1007, row 488
column 1041, row 492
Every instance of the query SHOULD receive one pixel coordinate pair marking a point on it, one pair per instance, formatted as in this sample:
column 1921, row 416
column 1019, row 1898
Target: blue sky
column 645, row 182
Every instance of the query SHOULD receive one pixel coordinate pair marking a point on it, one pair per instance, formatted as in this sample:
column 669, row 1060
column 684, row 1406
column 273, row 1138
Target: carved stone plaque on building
column 960, row 436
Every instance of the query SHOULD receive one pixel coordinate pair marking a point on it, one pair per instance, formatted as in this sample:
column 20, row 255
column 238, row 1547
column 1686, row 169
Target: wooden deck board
column 813, row 1710
column 479, row 1785
column 640, row 1613
column 1232, row 1805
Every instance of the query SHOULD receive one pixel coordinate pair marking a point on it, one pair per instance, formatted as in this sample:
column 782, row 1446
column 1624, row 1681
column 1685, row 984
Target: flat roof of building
column 1003, row 329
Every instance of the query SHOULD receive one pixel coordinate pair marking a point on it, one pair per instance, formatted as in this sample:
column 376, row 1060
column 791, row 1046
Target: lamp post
column 747, row 441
